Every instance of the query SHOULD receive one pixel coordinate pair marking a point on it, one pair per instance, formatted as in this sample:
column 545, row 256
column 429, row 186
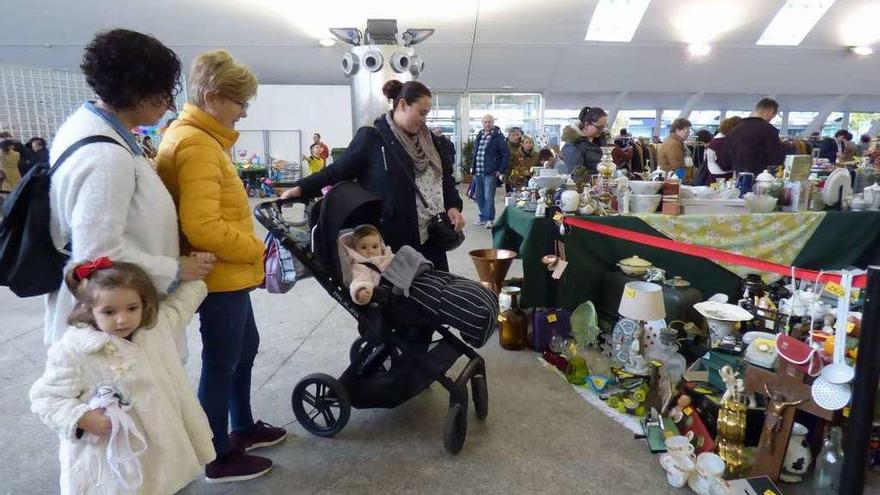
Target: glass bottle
column 514, row 325
column 829, row 464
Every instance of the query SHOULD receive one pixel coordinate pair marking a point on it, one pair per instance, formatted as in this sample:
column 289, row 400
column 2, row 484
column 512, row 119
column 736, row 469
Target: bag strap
column 405, row 172
column 79, row 144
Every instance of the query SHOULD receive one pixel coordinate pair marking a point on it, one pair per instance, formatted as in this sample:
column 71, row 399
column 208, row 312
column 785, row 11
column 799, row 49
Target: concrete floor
column 540, row 436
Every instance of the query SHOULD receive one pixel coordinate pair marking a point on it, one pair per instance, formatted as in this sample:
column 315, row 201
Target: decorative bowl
column 643, row 187
column 760, row 203
column 634, row 266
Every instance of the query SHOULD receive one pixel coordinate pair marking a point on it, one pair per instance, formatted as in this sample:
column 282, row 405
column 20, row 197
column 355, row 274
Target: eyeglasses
column 598, row 127
column 243, row 104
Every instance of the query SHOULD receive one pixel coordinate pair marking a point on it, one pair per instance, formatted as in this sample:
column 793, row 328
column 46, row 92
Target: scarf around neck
column 419, row 146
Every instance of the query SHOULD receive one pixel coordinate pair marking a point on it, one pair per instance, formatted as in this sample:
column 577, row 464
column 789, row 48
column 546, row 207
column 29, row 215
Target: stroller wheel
column 455, row 429
column 480, row 392
column 321, row 404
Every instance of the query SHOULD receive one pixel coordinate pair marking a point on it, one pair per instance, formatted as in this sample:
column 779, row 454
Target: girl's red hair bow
column 86, row 269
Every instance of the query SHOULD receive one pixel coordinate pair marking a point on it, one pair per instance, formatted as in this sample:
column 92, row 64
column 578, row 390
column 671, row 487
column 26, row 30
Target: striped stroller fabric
column 458, row 302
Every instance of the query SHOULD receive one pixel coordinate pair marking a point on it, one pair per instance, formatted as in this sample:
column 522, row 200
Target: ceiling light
column 507, row 86
column 327, row 42
column 794, row 21
column 863, row 51
column 616, row 20
column 699, row 49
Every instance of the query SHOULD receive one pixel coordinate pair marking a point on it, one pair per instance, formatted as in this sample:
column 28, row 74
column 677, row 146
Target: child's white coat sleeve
column 56, row 396
column 178, row 308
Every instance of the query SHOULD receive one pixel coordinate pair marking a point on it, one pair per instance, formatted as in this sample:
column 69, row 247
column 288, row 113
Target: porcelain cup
column 678, row 468
column 680, row 444
column 708, row 472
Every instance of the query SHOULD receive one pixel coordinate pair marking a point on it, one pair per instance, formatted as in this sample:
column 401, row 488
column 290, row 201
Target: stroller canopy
column 345, row 206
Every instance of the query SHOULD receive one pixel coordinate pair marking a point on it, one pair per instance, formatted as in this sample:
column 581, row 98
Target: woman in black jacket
column 386, row 159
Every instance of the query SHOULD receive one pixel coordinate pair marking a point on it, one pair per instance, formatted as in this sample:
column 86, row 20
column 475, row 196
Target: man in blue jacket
column 489, row 163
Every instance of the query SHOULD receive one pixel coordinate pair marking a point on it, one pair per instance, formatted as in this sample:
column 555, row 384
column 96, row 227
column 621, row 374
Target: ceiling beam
column 833, row 104
column 614, row 108
column 689, row 105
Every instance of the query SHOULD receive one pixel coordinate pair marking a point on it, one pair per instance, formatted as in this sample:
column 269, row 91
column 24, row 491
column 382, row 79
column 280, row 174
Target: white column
column 875, row 128
column 657, row 124
column 844, row 124
column 783, row 131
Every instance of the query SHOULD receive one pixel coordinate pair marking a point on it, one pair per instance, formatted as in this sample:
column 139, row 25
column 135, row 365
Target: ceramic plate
column 831, row 191
column 722, row 311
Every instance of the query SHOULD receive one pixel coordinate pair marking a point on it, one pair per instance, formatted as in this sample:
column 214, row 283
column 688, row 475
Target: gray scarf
column 419, row 147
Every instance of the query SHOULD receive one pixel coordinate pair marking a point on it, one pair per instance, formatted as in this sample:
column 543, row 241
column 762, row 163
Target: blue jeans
column 229, row 346
column 485, row 193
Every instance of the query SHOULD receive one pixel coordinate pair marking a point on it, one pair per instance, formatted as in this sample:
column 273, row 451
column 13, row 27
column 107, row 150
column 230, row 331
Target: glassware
column 514, row 325
column 828, row 465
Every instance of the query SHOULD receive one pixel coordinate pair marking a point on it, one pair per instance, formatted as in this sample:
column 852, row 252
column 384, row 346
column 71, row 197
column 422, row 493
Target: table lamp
column 642, row 302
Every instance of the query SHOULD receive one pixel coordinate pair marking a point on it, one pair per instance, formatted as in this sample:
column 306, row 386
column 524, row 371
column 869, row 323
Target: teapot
column 569, row 199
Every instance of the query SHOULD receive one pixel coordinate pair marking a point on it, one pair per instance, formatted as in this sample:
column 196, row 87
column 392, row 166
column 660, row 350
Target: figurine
column 734, row 386
column 636, row 363
column 775, row 409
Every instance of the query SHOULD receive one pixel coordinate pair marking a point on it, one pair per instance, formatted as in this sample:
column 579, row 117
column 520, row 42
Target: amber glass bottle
column 514, row 325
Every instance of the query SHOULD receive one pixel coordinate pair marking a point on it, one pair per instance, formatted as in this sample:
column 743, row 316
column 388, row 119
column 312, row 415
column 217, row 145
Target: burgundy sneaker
column 236, row 466
column 260, row 435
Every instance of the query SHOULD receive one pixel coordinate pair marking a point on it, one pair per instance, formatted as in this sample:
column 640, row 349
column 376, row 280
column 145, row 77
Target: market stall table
column 834, row 240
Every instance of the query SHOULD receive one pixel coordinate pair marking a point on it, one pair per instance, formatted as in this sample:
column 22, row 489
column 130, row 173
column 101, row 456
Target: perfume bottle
column 828, row 465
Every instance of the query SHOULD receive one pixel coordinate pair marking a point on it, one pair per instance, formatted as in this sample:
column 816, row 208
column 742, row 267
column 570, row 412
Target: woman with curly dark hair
column 106, row 199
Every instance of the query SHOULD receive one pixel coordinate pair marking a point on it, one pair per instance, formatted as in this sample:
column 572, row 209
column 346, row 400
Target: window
column 833, row 123
column 705, row 119
column 666, row 120
column 639, row 123
column 798, row 122
column 555, row 122
column 444, row 114
column 860, row 123
column 509, row 110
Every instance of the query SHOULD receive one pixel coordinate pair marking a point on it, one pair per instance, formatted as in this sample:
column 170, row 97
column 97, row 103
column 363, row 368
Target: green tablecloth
column 532, row 238
column 842, row 239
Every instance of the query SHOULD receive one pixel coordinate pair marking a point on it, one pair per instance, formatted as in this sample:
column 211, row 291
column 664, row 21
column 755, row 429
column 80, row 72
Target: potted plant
column 467, row 154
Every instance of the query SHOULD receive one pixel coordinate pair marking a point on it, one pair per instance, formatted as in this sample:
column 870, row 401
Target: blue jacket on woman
column 497, row 154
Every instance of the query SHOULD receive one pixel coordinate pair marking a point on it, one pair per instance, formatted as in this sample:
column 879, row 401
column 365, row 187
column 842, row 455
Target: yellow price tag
column 850, row 326
column 769, row 492
column 629, row 292
column 557, row 217
column 833, row 288
column 551, row 318
column 687, row 411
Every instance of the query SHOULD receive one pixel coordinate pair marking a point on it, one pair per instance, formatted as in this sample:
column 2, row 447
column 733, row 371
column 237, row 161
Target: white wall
column 310, row 109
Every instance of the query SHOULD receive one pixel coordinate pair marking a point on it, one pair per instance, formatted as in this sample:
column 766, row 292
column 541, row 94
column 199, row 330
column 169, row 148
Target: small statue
column 775, row 409
column 636, row 364
column 733, row 385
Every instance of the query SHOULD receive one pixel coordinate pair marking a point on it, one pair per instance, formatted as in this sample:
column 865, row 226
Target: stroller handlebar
column 269, row 214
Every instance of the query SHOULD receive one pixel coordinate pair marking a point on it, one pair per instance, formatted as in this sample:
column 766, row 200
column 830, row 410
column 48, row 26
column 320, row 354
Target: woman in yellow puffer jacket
column 194, row 163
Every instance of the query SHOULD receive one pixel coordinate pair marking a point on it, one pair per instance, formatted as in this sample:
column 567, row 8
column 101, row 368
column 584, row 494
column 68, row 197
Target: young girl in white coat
column 114, row 387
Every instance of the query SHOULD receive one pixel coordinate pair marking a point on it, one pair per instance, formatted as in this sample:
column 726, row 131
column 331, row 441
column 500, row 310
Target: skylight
column 794, row 21
column 616, row 20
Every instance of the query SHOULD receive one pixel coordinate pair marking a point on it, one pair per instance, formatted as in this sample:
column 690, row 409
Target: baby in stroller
column 446, row 298
column 409, row 305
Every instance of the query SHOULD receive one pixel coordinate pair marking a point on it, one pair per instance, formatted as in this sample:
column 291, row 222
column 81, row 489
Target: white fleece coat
column 150, row 375
column 112, row 203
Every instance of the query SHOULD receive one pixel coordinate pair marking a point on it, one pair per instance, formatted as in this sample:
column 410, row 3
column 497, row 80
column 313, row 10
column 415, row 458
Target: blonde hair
column 218, row 71
column 120, row 275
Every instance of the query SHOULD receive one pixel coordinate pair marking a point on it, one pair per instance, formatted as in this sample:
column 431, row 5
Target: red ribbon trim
column 708, row 253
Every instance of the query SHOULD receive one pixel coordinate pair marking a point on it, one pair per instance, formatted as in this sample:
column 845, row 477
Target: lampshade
column 642, row 301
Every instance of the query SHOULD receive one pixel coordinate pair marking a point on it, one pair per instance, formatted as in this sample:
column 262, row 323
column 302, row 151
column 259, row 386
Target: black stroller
column 394, row 358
